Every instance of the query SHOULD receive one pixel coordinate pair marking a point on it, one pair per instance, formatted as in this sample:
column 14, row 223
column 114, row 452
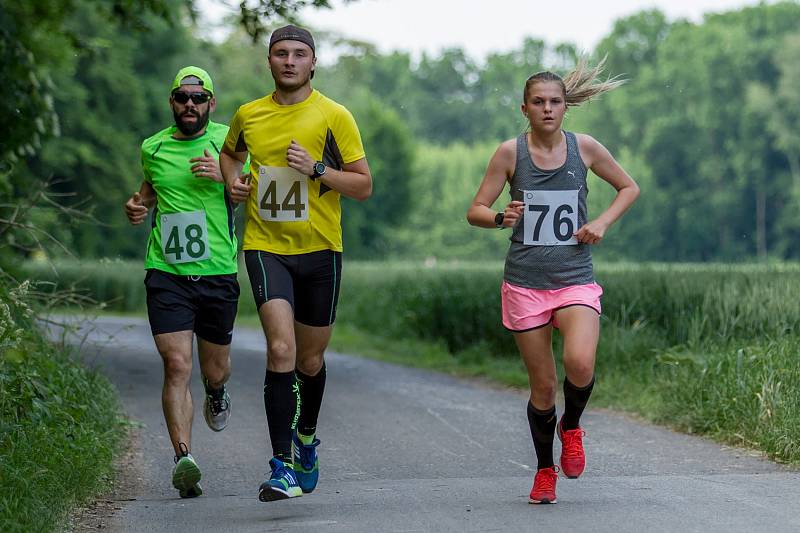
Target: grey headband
column 292, row 33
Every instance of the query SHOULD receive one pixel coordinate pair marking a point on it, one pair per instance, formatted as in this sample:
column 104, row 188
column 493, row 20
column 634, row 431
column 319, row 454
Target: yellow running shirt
column 288, row 213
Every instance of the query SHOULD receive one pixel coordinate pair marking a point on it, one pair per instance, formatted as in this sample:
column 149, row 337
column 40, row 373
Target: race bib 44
column 282, row 194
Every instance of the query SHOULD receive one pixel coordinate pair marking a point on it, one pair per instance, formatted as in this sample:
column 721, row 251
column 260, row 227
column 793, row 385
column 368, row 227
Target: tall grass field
column 704, row 348
column 60, row 423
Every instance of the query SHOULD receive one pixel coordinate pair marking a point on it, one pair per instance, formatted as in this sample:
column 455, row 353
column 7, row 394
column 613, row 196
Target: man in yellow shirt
column 305, row 151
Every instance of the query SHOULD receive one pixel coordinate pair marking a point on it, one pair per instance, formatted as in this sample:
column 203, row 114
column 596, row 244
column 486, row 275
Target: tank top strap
column 523, row 159
column 573, row 154
column 572, row 149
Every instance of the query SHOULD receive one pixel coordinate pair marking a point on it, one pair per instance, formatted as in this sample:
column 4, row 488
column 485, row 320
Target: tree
column 390, row 152
column 83, row 69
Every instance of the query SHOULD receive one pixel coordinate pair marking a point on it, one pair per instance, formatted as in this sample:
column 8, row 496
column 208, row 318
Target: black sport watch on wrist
column 498, row 219
column 319, row 169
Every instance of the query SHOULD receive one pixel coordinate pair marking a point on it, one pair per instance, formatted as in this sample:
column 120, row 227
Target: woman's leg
column 535, row 347
column 580, row 328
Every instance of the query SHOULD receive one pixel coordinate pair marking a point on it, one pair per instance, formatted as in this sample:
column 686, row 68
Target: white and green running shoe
column 217, row 411
column 186, row 475
column 281, row 484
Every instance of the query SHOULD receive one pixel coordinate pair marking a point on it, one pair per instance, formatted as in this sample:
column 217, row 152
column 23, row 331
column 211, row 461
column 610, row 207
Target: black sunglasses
column 197, row 98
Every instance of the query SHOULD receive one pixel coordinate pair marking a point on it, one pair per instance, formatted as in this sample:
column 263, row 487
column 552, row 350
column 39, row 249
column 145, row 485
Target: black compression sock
column 543, row 428
column 311, row 390
column 575, row 400
column 280, row 404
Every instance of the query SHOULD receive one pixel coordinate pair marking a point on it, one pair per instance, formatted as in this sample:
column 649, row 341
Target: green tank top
column 193, row 222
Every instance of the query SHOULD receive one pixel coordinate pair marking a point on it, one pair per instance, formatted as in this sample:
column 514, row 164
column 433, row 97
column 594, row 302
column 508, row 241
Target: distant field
column 707, row 348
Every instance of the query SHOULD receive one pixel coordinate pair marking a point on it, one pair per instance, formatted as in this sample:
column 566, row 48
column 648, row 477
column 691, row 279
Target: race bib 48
column 184, row 237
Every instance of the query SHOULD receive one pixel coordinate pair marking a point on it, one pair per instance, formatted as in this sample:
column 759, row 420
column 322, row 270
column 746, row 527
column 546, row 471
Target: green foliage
column 746, row 395
column 111, row 284
column 700, row 113
column 443, row 183
column 387, row 141
column 59, row 423
column 454, row 304
column 705, row 348
column 253, row 16
column 707, row 125
column 450, row 97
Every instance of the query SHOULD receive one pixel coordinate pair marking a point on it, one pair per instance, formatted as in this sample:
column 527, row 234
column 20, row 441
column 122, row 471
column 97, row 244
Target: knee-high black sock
column 575, row 400
column 543, row 428
column 280, row 403
column 311, row 391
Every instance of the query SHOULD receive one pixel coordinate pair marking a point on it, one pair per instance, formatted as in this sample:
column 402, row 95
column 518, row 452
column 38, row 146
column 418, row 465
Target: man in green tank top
column 191, row 263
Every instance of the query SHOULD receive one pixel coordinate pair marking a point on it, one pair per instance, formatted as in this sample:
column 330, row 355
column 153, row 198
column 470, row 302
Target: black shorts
column 309, row 282
column 203, row 304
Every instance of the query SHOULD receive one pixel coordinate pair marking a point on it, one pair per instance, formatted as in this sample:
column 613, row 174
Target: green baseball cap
column 193, row 76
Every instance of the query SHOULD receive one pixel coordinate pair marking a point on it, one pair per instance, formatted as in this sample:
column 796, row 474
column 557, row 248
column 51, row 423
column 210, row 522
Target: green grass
column 708, row 349
column 430, row 355
column 59, row 427
column 704, row 348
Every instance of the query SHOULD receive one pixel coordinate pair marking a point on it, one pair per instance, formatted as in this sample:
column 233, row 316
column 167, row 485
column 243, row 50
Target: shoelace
column 280, row 469
column 218, row 405
column 573, row 442
column 307, row 453
column 546, row 479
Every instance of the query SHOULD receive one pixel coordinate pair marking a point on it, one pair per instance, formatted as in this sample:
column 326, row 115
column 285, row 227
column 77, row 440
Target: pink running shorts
column 525, row 309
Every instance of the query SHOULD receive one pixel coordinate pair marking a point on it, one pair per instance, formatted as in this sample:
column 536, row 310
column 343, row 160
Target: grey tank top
column 548, row 267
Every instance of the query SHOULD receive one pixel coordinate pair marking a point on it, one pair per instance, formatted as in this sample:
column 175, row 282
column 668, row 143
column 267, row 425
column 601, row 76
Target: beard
column 191, row 128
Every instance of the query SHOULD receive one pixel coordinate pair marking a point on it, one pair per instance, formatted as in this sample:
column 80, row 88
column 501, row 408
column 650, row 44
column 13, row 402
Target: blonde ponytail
column 580, row 85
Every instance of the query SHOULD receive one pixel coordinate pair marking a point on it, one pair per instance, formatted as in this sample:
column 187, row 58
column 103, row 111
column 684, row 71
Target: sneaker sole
column 186, row 477
column 542, row 501
column 192, row 492
column 272, row 494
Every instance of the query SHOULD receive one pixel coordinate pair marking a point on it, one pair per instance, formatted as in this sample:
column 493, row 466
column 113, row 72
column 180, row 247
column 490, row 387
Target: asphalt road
column 407, row 450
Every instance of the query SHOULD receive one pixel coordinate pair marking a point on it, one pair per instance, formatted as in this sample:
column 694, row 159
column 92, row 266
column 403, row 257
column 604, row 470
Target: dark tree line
column 707, row 123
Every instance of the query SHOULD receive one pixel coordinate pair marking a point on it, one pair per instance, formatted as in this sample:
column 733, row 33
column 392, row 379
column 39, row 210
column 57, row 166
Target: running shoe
column 573, row 458
column 282, row 483
column 186, row 474
column 217, row 411
column 306, row 463
column 544, row 485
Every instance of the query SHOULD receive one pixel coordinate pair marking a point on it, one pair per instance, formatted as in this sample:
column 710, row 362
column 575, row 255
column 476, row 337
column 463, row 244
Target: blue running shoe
column 306, row 463
column 282, row 483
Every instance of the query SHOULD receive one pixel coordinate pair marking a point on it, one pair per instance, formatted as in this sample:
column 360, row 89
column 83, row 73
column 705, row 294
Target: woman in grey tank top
column 548, row 281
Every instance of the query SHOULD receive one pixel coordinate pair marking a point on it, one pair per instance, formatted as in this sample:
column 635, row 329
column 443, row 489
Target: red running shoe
column 544, row 485
column 573, row 459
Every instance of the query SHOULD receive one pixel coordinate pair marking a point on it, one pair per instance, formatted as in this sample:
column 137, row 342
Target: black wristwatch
column 498, row 219
column 319, row 169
